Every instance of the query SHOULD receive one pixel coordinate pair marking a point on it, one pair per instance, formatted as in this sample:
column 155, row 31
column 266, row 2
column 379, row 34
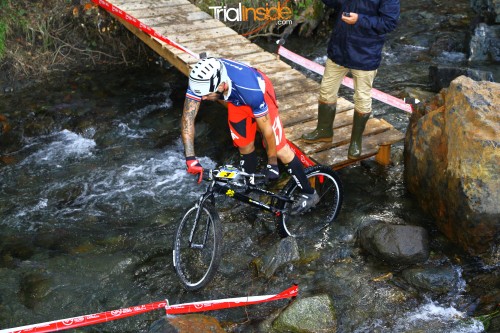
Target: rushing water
column 93, row 182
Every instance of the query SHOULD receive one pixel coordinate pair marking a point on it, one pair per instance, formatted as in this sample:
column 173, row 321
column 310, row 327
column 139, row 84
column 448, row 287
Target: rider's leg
column 327, row 103
column 295, row 168
column 243, row 128
column 248, row 158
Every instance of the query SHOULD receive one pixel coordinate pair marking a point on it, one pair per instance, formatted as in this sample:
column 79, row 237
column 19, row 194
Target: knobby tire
column 329, row 187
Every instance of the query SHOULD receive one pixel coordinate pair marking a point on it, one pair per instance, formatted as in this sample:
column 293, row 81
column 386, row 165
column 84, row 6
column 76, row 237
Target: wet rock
column 4, row 124
column 452, row 164
column 13, row 250
column 66, row 196
column 435, row 279
column 191, row 323
column 285, row 251
column 42, row 125
column 396, row 244
column 311, row 314
column 441, row 76
column 162, row 326
column 33, row 287
column 488, row 9
column 195, row 323
column 448, row 42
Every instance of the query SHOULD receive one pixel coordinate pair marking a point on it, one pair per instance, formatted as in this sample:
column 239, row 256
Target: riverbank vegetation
column 46, row 37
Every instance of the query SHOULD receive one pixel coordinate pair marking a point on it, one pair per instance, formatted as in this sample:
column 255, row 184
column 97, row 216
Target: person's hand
column 272, row 172
column 351, row 19
column 194, row 167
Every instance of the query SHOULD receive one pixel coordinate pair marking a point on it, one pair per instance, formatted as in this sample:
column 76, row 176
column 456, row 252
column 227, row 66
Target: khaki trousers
column 363, row 82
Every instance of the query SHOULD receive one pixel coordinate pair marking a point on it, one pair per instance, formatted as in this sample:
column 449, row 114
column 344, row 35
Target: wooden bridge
column 185, row 24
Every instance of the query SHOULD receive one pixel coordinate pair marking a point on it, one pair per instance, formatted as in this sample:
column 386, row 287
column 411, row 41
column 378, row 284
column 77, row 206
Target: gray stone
column 283, row 252
column 308, row 315
column 436, row 279
column 396, row 244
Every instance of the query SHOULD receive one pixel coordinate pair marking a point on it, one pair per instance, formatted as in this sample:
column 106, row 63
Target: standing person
column 252, row 106
column 356, row 42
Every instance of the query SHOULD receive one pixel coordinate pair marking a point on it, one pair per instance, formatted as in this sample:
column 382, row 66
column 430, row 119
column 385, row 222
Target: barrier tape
column 306, row 161
column 98, row 318
column 346, row 81
column 138, row 24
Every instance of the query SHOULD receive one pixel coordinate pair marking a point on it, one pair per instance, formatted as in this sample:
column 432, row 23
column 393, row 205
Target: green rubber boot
column 358, row 127
column 324, row 130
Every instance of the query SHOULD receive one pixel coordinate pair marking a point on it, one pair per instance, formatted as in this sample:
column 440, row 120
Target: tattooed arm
column 189, row 113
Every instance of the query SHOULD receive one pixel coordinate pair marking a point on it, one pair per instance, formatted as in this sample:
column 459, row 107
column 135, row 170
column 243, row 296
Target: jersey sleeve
column 259, row 107
column 191, row 95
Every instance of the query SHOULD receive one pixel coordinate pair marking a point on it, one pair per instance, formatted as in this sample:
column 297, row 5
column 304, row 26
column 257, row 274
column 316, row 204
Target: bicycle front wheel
column 327, row 184
column 198, row 246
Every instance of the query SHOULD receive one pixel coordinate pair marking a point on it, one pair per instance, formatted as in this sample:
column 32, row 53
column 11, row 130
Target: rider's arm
column 189, row 113
column 264, row 124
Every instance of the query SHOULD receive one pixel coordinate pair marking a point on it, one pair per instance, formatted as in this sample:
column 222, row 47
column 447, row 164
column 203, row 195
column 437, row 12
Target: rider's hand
column 194, row 167
column 272, row 172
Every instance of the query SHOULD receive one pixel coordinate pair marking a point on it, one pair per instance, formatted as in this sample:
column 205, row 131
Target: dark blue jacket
column 359, row 46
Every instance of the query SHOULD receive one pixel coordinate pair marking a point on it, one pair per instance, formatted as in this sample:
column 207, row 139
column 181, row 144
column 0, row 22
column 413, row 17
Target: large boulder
column 452, row 164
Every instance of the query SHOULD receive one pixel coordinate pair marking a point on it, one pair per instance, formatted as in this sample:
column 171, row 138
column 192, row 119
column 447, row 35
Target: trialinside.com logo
column 241, row 13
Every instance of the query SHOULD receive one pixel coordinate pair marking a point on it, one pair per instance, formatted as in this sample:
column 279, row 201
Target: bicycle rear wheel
column 327, row 184
column 198, row 246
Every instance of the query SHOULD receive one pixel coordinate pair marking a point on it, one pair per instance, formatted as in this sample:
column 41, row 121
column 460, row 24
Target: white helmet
column 206, row 76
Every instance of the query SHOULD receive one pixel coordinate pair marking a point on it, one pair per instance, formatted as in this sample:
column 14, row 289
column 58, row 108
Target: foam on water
column 439, row 318
column 65, row 144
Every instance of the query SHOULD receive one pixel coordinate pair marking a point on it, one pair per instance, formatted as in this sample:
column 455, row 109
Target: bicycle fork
column 199, row 210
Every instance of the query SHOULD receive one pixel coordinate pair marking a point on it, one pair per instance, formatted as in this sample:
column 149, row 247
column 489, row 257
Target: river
column 93, row 183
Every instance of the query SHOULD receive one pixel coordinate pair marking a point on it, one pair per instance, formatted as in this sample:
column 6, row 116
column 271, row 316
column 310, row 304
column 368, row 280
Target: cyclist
column 252, row 106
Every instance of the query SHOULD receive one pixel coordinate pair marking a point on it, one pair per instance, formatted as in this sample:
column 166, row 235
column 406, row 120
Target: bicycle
column 198, row 241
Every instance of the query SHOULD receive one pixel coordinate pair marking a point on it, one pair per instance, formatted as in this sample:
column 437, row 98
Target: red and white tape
column 348, row 82
column 98, row 318
column 138, row 24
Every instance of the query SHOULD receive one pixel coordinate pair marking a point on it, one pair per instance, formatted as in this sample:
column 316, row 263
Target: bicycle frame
column 234, row 193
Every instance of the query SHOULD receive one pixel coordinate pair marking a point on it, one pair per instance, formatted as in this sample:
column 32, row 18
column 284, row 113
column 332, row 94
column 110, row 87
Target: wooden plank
column 177, row 11
column 283, row 89
column 285, row 76
column 173, row 26
column 233, row 53
column 128, row 5
column 183, row 37
column 337, row 157
column 303, row 99
column 160, row 48
column 257, row 58
column 181, row 13
column 383, row 156
column 291, row 114
column 270, row 68
column 169, row 27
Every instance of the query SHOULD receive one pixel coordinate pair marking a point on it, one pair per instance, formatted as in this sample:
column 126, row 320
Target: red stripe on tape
column 230, row 303
column 98, row 318
column 346, row 81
